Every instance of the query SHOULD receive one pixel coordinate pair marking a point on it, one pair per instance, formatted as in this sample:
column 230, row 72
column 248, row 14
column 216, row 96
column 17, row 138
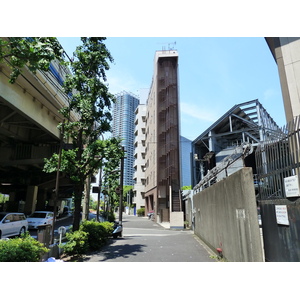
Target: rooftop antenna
column 171, row 46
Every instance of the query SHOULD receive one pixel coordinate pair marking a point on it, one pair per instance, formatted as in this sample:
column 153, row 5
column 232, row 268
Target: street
column 145, row 241
column 65, row 221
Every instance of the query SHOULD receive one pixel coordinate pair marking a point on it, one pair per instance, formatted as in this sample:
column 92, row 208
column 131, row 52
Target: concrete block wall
column 176, row 220
column 226, row 217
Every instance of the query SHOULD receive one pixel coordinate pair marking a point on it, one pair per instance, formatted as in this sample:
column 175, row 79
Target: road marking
column 146, row 234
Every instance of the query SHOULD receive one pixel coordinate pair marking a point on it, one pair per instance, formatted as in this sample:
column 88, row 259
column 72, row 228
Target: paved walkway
column 145, row 241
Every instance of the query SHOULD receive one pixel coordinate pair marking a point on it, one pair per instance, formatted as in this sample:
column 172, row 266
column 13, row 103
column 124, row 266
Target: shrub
column 22, row 249
column 109, row 228
column 77, row 243
column 109, row 216
column 98, row 233
column 141, row 212
column 91, row 236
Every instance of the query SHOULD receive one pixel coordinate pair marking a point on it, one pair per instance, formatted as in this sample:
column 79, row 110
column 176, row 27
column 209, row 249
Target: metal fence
column 276, row 160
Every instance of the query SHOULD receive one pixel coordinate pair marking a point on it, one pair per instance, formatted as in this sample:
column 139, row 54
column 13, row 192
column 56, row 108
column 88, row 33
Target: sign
column 291, row 185
column 95, row 190
column 62, row 230
column 240, row 213
column 282, row 215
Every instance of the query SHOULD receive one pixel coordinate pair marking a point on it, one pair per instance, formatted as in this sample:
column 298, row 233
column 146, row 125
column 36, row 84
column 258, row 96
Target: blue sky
column 215, row 73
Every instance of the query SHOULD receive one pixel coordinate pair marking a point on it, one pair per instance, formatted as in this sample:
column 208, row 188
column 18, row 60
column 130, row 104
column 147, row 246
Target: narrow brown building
column 162, row 142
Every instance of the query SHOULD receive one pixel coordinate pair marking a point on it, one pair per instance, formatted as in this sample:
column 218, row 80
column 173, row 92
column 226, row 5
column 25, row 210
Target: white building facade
column 139, row 156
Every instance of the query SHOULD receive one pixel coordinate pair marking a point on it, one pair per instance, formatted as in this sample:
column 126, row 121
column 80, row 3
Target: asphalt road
column 145, row 241
column 65, row 221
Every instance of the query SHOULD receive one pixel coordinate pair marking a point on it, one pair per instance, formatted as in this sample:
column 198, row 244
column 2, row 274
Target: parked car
column 40, row 218
column 12, row 224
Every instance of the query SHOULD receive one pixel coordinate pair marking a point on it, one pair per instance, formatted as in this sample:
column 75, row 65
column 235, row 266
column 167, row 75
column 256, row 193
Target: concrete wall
column 176, row 220
column 286, row 51
column 226, row 217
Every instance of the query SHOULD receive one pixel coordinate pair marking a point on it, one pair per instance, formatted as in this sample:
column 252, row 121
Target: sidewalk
column 165, row 225
column 146, row 241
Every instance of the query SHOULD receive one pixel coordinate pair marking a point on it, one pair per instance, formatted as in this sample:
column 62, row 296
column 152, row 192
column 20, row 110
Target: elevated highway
column 29, row 116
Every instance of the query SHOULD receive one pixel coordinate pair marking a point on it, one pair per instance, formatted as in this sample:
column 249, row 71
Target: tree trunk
column 78, row 192
column 79, row 186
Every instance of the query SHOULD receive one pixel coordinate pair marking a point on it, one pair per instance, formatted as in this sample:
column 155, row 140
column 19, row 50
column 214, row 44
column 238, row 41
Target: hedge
column 91, row 236
column 22, row 249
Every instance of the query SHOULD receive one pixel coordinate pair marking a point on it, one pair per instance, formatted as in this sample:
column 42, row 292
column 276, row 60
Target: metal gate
column 276, row 160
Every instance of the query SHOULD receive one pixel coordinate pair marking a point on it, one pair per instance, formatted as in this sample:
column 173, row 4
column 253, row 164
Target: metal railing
column 276, row 160
column 213, row 175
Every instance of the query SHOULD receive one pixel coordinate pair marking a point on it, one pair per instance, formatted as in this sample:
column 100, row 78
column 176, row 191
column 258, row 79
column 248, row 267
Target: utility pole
column 99, row 195
column 99, row 187
column 121, row 187
column 57, row 182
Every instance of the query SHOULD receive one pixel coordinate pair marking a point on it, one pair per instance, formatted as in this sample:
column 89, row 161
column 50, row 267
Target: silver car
column 12, row 224
column 40, row 218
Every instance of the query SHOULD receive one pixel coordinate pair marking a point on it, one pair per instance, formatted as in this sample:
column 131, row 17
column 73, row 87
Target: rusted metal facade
column 168, row 130
column 162, row 139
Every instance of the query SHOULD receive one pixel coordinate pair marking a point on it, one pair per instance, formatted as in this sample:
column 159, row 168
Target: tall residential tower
column 123, row 127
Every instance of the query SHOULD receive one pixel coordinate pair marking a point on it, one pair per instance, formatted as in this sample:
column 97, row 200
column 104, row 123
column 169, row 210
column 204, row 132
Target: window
column 9, row 217
column 17, row 217
column 56, row 74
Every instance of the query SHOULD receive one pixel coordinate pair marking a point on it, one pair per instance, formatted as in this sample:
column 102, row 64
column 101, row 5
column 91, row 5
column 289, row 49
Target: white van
column 12, row 224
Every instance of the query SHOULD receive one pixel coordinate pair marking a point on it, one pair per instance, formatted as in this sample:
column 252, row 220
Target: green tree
column 127, row 189
column 186, row 187
column 34, row 52
column 91, row 100
column 3, row 198
column 109, row 162
column 111, row 178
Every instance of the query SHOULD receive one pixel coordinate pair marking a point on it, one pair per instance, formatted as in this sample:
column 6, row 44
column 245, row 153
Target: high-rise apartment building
column 162, row 142
column 123, row 127
column 139, row 156
column 185, row 160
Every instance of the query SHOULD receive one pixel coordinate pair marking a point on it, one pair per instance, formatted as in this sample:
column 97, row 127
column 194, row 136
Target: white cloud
column 119, row 81
column 198, row 112
column 269, row 94
column 118, row 84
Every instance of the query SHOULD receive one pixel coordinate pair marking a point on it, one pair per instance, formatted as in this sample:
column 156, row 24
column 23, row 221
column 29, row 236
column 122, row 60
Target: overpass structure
column 29, row 116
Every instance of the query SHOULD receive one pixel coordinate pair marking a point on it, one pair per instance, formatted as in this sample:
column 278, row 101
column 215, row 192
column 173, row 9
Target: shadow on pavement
column 113, row 251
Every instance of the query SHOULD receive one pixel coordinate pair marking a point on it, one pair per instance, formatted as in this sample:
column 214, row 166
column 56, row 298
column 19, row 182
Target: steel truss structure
column 223, row 148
